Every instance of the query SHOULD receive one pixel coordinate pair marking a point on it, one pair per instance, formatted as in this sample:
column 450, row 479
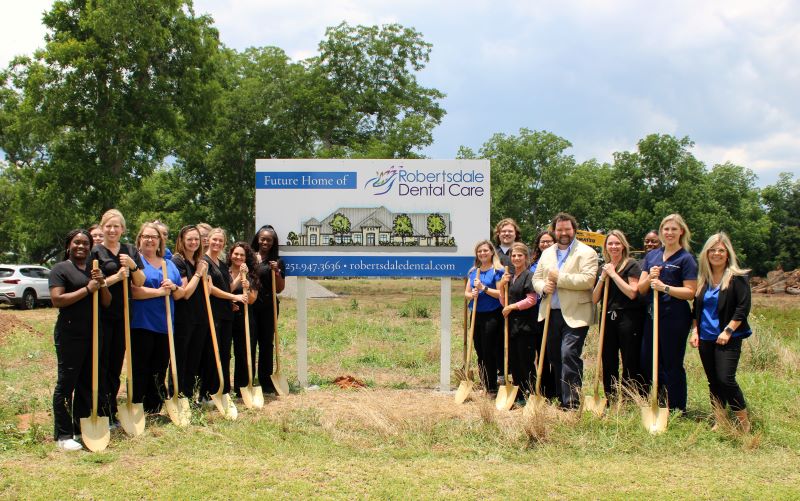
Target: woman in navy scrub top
column 721, row 308
column 672, row 271
column 118, row 261
column 483, row 286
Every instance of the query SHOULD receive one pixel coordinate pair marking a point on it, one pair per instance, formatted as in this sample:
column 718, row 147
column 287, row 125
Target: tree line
column 139, row 106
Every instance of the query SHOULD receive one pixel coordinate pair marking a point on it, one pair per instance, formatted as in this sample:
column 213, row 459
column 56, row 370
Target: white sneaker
column 68, row 444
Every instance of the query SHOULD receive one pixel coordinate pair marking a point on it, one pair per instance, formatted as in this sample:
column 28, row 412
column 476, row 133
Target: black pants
column 190, row 343
column 674, row 320
column 240, row 374
column 72, row 397
column 264, row 341
column 488, row 329
column 112, row 354
column 720, row 363
column 210, row 382
column 623, row 337
column 564, row 347
column 520, row 355
column 150, row 357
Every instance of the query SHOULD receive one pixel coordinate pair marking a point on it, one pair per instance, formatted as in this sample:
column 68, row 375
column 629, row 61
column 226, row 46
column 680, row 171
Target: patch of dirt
column 24, row 421
column 348, row 382
column 9, row 322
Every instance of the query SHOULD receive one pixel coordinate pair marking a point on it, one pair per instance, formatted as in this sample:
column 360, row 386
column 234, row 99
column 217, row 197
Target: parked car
column 24, row 285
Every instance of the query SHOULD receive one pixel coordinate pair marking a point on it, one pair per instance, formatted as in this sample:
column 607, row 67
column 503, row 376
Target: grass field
column 400, row 438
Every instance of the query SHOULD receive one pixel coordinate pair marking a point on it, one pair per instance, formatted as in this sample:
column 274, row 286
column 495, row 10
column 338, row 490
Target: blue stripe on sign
column 377, row 266
column 306, row 180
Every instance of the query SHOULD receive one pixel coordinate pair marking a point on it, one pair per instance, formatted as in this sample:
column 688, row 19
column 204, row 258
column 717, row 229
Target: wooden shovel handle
column 95, row 346
column 599, row 371
column 276, row 340
column 540, row 365
column 247, row 334
column 170, row 334
column 213, row 331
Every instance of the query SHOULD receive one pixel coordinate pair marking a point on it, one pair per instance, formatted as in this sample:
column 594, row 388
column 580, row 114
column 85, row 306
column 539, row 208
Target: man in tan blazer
column 566, row 273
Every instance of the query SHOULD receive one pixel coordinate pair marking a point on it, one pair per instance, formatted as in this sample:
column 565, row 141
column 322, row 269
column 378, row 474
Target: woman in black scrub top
column 241, row 259
column 672, row 271
column 191, row 319
column 72, row 283
column 265, row 242
column 118, row 261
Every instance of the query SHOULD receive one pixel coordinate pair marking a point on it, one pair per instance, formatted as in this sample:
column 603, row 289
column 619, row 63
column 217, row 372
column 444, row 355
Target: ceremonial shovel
column 507, row 393
column 130, row 415
column 177, row 408
column 595, row 403
column 537, row 400
column 278, row 380
column 655, row 418
column 252, row 396
column 223, row 401
column 94, row 429
column 465, row 388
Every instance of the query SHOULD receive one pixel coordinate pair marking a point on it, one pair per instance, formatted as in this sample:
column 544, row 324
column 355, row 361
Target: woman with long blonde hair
column 721, row 307
column 670, row 270
column 623, row 334
column 482, row 286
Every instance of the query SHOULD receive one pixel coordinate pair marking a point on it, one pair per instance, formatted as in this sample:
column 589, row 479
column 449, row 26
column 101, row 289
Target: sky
column 601, row 74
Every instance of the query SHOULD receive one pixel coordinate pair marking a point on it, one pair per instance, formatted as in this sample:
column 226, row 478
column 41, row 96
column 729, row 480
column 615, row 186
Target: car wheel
column 28, row 300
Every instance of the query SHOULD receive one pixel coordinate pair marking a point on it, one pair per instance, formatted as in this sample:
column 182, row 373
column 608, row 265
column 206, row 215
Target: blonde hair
column 685, row 237
column 214, row 231
column 110, row 214
column 495, row 260
column 626, row 248
column 731, row 264
column 523, row 249
column 161, row 244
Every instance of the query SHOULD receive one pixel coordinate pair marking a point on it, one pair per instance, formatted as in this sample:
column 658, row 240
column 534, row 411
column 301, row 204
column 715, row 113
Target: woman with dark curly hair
column 241, row 259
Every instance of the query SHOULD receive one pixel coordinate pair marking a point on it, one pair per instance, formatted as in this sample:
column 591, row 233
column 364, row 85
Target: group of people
column 236, row 275
column 560, row 277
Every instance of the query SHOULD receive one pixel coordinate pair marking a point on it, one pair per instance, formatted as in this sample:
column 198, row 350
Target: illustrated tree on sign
column 402, row 227
column 292, row 239
column 436, row 226
column 340, row 224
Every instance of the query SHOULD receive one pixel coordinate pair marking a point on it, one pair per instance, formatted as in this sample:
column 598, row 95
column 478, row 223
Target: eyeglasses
column 717, row 251
column 150, row 237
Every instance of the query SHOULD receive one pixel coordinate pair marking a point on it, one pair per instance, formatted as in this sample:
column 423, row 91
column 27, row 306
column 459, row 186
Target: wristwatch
column 728, row 329
column 666, row 289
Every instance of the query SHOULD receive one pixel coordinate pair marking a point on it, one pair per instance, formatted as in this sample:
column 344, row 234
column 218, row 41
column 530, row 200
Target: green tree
column 94, row 112
column 402, row 227
column 436, row 226
column 340, row 224
column 782, row 202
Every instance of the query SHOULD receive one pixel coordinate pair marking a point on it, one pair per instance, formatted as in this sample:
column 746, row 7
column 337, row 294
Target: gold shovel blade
column 463, row 391
column 131, row 418
column 280, row 383
column 534, row 403
column 597, row 405
column 655, row 419
column 506, row 396
column 225, row 405
column 178, row 410
column 95, row 433
column 247, row 396
column 258, row 397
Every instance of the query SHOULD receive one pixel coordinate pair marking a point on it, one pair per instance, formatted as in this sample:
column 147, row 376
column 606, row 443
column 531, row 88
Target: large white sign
column 375, row 217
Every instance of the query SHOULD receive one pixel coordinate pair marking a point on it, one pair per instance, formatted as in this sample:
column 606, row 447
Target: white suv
column 24, row 285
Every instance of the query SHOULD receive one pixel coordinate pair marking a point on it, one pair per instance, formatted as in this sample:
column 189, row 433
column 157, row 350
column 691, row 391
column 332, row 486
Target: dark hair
column 250, row 261
column 72, row 234
column 179, row 247
column 273, row 252
column 563, row 216
column 536, row 253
